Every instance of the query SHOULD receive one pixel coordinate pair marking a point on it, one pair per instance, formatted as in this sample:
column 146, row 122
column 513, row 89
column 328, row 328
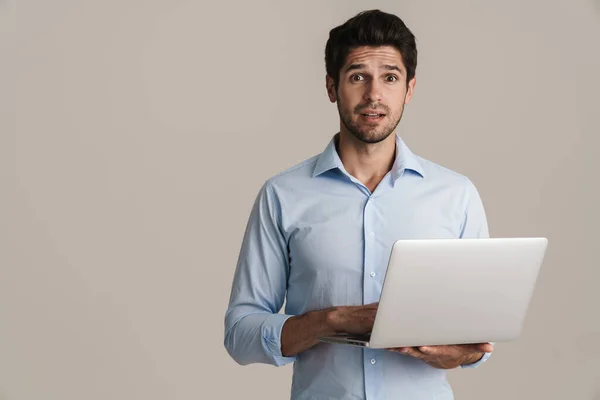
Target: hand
column 447, row 357
column 352, row 319
column 301, row 332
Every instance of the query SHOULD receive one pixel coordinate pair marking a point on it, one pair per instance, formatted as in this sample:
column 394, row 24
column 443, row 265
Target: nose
column 373, row 93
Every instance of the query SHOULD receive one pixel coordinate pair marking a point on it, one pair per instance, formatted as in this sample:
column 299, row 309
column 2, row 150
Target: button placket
column 368, row 251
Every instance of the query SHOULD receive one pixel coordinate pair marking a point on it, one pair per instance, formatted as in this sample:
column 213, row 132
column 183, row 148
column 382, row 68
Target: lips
column 372, row 113
column 372, row 116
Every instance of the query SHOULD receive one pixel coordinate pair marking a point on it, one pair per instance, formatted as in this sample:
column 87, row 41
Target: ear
column 331, row 92
column 410, row 90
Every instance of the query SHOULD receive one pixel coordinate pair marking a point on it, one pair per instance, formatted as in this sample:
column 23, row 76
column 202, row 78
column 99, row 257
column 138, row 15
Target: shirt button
column 373, row 361
column 372, row 233
column 372, row 274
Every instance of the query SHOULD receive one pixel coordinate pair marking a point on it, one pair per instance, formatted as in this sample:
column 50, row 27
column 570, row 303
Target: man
column 320, row 234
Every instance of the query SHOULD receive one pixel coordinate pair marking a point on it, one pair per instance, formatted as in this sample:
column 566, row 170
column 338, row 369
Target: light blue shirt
column 317, row 238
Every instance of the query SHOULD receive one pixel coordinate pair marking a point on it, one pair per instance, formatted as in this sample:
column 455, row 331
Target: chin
column 371, row 139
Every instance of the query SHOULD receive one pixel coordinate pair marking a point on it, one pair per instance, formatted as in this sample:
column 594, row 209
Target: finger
column 413, row 352
column 457, row 350
column 398, row 349
column 395, row 349
column 485, row 347
column 430, row 350
column 371, row 306
column 368, row 309
column 440, row 351
column 476, row 348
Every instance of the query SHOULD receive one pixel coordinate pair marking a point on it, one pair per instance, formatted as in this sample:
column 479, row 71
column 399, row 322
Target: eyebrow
column 361, row 66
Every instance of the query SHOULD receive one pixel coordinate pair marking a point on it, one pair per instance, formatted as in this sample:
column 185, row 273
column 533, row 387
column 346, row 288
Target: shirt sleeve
column 252, row 323
column 474, row 225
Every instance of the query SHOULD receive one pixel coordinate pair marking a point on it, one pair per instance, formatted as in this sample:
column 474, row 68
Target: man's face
column 371, row 93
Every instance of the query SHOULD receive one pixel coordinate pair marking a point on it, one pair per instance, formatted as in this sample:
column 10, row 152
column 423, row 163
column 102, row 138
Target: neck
column 367, row 162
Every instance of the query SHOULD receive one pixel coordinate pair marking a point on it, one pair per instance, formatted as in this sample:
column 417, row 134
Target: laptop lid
column 455, row 291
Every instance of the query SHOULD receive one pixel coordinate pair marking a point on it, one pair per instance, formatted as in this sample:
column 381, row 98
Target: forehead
column 374, row 56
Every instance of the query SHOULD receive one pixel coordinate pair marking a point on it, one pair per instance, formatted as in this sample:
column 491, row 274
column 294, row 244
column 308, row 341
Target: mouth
column 372, row 116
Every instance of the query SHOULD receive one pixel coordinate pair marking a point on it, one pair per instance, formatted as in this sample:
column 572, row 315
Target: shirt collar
column 405, row 160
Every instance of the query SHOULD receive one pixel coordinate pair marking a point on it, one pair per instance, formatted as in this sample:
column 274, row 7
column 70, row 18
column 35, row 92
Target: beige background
column 144, row 129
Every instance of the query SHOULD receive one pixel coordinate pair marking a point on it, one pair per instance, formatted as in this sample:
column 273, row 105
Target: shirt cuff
column 271, row 335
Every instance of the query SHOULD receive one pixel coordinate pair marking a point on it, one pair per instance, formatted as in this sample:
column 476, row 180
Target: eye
column 357, row 78
column 391, row 78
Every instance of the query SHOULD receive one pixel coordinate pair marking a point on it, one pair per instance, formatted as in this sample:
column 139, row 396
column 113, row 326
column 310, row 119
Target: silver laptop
column 453, row 291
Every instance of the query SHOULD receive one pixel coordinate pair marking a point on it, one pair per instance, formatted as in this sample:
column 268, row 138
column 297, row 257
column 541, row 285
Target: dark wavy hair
column 370, row 28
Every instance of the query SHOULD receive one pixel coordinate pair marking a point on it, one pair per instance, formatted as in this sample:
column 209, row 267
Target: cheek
column 351, row 94
column 346, row 103
column 397, row 100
